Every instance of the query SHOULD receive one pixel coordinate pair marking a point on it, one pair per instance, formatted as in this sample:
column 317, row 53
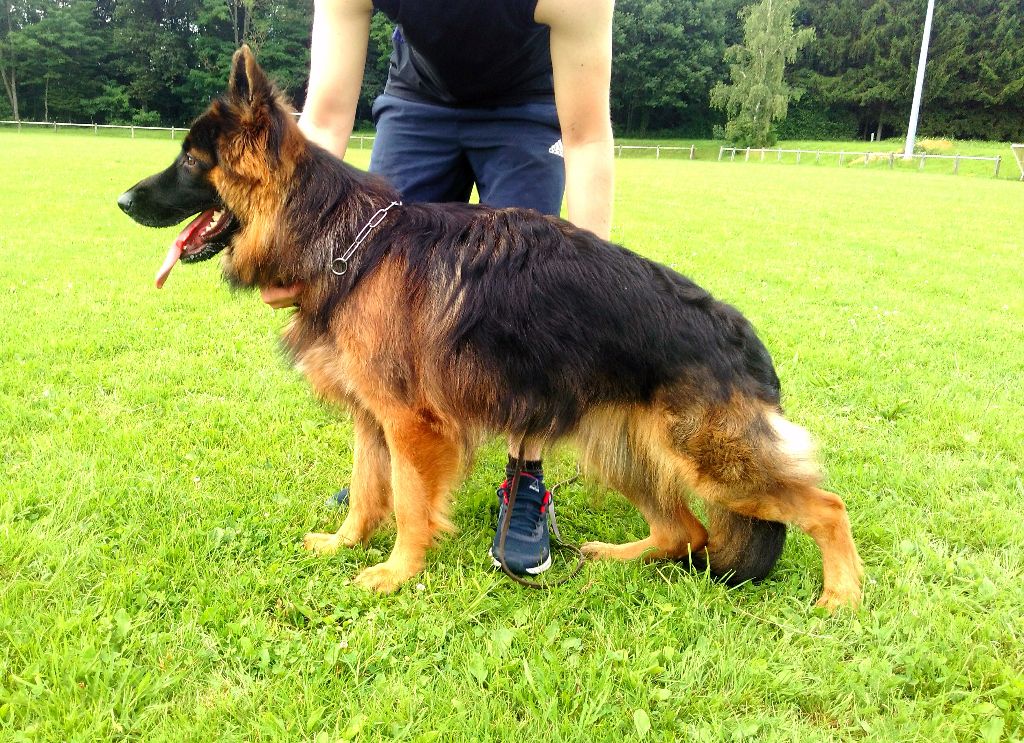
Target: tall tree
column 864, row 60
column 60, row 74
column 17, row 50
column 759, row 95
column 667, row 56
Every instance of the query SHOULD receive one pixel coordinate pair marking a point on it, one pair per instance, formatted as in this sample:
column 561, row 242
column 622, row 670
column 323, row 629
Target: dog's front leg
column 370, row 490
column 424, row 464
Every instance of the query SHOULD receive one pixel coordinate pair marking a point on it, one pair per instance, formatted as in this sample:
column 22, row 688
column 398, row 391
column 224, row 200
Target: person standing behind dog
column 509, row 95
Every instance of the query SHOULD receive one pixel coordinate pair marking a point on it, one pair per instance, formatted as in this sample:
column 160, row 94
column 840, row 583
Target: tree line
column 151, row 62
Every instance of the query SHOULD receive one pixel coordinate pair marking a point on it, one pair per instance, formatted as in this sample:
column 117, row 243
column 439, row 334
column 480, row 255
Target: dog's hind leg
column 672, row 536
column 754, row 463
column 820, row 514
column 424, row 466
column 625, row 449
column 370, row 490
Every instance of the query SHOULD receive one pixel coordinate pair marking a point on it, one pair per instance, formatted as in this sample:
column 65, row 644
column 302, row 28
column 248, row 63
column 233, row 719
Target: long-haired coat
column 451, row 323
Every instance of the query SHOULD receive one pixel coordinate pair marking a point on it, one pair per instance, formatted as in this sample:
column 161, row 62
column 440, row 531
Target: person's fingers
column 280, row 296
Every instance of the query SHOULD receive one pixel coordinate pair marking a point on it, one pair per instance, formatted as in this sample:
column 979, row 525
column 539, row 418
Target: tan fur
column 657, row 457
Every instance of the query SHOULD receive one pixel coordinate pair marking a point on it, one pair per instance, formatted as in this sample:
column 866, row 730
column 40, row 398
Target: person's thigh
column 416, row 148
column 515, row 154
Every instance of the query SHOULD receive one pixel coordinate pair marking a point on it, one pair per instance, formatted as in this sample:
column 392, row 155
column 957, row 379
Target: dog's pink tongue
column 172, row 257
column 174, row 253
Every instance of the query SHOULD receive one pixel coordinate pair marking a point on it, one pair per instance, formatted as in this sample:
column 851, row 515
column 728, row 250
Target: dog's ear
column 248, row 83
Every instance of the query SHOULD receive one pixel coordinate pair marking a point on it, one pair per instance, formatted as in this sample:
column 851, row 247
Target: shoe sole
column 530, row 571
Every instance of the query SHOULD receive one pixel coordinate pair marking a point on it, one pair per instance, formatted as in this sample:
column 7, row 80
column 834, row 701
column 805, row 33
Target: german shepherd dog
column 449, row 323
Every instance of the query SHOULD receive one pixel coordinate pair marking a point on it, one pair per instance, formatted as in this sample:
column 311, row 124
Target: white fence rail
column 173, row 131
column 360, row 139
column 658, row 149
column 869, row 157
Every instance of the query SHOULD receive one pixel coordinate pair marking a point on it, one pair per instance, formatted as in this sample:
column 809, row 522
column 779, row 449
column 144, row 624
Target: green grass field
column 161, row 464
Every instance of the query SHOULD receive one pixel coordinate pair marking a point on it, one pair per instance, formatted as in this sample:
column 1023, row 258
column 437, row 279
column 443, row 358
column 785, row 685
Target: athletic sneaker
column 528, row 543
column 339, row 499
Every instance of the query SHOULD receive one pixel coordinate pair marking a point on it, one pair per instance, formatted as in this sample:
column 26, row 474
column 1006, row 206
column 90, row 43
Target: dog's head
column 229, row 175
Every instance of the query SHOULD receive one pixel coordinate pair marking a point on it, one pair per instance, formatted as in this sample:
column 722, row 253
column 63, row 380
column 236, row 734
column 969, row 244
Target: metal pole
column 915, row 108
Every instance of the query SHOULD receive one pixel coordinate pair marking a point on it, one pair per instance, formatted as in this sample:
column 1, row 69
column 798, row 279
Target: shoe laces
column 503, row 491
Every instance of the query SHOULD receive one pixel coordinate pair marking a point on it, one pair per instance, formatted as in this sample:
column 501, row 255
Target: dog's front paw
column 328, row 544
column 848, row 597
column 324, row 544
column 385, row 577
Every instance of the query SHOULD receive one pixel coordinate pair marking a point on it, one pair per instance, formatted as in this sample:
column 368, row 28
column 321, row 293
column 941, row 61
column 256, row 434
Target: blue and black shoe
column 528, row 542
column 339, row 499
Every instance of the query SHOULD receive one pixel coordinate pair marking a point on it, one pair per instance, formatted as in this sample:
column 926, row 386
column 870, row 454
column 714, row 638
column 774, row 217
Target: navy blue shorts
column 513, row 154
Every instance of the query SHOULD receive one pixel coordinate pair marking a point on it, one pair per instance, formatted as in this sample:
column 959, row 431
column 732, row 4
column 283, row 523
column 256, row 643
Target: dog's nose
column 125, row 201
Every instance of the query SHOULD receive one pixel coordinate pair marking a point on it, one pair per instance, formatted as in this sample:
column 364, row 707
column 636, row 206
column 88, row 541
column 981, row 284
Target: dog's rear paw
column 602, row 551
column 324, row 544
column 384, row 578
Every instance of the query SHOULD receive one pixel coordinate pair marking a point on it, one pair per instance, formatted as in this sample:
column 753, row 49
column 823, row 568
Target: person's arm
column 341, row 32
column 581, row 61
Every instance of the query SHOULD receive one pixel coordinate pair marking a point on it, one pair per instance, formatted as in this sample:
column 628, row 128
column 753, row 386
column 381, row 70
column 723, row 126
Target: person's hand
column 281, row 296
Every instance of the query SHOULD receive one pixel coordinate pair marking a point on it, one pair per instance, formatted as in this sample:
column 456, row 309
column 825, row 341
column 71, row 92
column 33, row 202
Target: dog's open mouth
column 202, row 238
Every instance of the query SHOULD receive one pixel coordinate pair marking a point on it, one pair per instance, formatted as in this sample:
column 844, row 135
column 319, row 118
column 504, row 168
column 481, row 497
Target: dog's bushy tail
column 749, row 450
column 742, row 548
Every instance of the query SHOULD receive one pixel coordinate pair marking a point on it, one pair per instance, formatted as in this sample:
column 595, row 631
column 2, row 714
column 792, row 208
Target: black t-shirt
column 468, row 52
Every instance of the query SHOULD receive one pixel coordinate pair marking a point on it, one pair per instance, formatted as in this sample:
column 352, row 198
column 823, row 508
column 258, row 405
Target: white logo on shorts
column 556, row 148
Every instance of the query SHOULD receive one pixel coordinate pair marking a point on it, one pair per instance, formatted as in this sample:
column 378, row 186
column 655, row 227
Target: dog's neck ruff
column 340, row 265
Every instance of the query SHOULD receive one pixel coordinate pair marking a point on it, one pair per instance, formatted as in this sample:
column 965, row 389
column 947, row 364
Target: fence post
column 841, row 154
column 798, row 153
column 721, row 150
column 55, row 126
column 133, row 132
column 657, row 152
column 778, row 159
column 921, row 165
column 956, row 165
column 817, row 157
column 172, row 132
column 732, row 155
column 691, row 151
column 999, row 159
column 95, row 128
column 746, row 156
column 890, row 159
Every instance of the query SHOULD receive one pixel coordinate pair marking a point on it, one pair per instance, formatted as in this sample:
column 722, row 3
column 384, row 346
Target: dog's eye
column 190, row 161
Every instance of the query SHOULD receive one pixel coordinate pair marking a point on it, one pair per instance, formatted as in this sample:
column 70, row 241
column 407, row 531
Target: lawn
column 161, row 463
